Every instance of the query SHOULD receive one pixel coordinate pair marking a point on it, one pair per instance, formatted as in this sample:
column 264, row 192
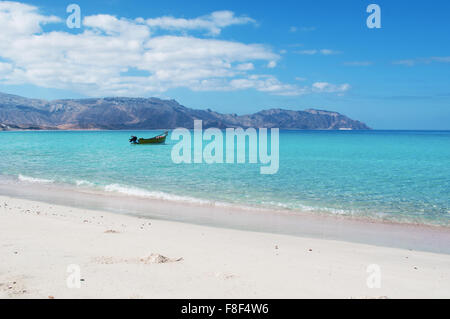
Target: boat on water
column 160, row 139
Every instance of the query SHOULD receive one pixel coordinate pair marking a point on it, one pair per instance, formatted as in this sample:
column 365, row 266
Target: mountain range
column 122, row 113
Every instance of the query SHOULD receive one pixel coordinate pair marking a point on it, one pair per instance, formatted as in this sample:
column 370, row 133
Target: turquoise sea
column 396, row 175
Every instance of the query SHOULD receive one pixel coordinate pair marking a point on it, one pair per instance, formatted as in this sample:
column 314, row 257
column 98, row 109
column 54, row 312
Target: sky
column 238, row 56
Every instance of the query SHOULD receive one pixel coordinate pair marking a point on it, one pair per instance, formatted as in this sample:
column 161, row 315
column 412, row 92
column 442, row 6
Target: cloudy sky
column 238, row 56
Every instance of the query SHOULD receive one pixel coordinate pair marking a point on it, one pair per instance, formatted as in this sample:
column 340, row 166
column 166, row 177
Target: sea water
column 393, row 175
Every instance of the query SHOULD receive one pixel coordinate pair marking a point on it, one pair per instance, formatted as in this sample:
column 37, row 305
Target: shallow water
column 394, row 175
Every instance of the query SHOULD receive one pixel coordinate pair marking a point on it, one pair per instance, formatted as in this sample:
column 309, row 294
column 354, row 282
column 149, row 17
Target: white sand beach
column 122, row 257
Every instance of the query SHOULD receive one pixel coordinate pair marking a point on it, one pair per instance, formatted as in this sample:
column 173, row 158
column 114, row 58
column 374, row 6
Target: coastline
column 354, row 229
column 120, row 256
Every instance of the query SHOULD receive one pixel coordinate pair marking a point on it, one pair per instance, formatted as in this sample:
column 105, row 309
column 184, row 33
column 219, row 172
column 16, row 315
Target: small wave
column 83, row 183
column 29, row 179
column 305, row 208
column 134, row 191
column 275, row 204
column 139, row 192
column 334, row 211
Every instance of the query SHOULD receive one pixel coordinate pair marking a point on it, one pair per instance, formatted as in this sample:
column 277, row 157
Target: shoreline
column 122, row 256
column 124, row 191
column 423, row 237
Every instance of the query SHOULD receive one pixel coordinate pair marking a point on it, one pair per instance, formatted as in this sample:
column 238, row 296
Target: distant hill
column 119, row 113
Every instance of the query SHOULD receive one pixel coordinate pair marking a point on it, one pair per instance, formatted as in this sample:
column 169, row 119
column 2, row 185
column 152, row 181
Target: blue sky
column 288, row 54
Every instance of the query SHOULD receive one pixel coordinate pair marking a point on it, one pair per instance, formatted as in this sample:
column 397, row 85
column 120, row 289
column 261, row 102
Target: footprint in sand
column 112, row 231
column 158, row 259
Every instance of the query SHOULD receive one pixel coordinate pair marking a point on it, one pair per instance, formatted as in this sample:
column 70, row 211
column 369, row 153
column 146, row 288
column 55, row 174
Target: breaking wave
column 29, row 179
column 83, row 183
column 134, row 191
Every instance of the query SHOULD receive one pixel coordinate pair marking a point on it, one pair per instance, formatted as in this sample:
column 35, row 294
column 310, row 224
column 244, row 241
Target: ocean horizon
column 399, row 176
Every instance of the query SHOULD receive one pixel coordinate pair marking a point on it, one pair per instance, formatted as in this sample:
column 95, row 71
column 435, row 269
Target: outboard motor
column 133, row 139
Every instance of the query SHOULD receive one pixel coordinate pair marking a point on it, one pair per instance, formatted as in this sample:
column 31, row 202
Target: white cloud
column 268, row 83
column 405, row 62
column 358, row 63
column 272, row 64
column 21, row 20
column 429, row 60
column 117, row 56
column 443, row 59
column 328, row 52
column 5, row 69
column 325, row 87
column 308, row 52
column 245, row 66
column 316, row 51
column 111, row 25
column 302, row 29
column 213, row 23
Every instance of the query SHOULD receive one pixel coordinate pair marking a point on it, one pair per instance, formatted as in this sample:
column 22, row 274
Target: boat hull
column 153, row 140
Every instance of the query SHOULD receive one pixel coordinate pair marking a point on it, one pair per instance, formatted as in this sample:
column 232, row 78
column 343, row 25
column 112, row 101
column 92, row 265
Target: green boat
column 160, row 139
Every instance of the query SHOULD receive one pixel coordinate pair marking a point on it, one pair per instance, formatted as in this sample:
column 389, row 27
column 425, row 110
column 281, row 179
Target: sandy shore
column 122, row 256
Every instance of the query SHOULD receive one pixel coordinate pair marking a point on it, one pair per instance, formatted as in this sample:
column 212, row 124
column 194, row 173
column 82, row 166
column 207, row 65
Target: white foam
column 134, row 191
column 29, row 179
column 139, row 192
column 319, row 209
column 83, row 183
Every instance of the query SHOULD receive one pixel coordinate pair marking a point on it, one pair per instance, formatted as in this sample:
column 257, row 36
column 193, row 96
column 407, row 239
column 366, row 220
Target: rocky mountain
column 117, row 113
